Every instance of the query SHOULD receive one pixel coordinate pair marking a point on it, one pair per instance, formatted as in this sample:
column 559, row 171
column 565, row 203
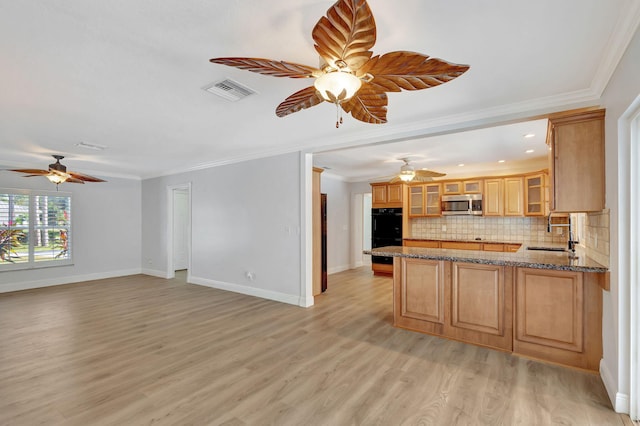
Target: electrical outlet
column 444, row 228
column 251, row 276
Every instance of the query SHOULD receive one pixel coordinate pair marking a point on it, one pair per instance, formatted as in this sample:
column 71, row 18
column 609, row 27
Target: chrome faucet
column 571, row 243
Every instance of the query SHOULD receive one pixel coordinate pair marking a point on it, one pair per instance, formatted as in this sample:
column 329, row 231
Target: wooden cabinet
column 460, row 245
column 493, row 198
column 472, row 187
column 317, row 232
column 535, row 203
column 451, row 188
column 424, row 200
column 463, row 301
column 479, row 302
column 558, row 317
column 512, row 248
column 544, row 314
column 514, row 196
column 386, row 195
column 418, row 294
column 421, row 243
column 462, row 187
column 492, row 247
column 576, row 161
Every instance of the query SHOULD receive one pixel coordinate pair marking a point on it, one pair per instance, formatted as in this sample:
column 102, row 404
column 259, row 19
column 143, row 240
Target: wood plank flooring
column 142, row 350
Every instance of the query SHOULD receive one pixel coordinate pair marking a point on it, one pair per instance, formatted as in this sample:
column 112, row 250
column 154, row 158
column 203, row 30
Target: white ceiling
column 129, row 75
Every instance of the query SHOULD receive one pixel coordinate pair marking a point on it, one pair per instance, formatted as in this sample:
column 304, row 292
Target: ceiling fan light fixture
column 407, row 172
column 337, row 86
column 58, row 178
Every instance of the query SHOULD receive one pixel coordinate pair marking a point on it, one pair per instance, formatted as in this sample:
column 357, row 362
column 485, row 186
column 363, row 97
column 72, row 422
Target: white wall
column 106, row 232
column 621, row 91
column 246, row 218
column 338, row 222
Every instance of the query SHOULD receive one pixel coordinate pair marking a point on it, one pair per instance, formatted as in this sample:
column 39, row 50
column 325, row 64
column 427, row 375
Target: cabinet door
column 492, row 247
column 513, row 196
column 478, row 305
column 394, row 194
column 493, row 198
column 419, row 294
column 432, row 201
column 421, row 243
column 452, row 188
column 416, row 201
column 460, row 245
column 534, row 192
column 577, row 161
column 472, row 186
column 378, row 195
column 549, row 309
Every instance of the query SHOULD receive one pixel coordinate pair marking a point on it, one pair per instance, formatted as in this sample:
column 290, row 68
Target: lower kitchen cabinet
column 479, row 302
column 559, row 317
column 462, row 301
column 418, row 294
column 544, row 314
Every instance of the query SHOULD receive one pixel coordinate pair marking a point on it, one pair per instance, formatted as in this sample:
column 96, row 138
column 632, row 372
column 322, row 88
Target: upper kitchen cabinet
column 386, row 195
column 513, row 196
column 493, row 198
column 424, row 200
column 535, row 195
column 576, row 161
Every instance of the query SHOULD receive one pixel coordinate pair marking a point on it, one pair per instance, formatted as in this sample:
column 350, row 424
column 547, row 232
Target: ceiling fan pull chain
column 338, row 116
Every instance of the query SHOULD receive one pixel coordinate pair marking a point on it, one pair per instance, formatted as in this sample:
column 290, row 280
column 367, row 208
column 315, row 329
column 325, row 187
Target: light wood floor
column 142, row 350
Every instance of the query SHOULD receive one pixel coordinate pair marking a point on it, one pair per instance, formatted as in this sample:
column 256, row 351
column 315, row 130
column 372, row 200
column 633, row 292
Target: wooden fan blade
column 269, row 67
column 32, row 172
column 83, row 177
column 305, row 98
column 398, row 71
column 368, row 105
column 429, row 173
column 74, row 180
column 347, row 33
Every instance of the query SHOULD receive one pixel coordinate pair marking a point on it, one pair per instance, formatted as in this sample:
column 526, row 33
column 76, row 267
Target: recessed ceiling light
column 500, row 161
column 529, row 151
column 529, row 135
column 461, row 165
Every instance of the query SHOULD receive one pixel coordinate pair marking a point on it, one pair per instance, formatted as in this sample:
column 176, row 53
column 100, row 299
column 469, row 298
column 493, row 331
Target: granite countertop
column 559, row 261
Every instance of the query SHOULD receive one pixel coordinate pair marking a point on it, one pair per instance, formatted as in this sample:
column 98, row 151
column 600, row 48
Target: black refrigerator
column 386, row 230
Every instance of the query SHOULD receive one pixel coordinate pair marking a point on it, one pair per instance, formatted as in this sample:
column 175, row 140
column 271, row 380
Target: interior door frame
column 170, row 273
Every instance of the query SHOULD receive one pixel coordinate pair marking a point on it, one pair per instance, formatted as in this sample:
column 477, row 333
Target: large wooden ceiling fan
column 57, row 173
column 351, row 77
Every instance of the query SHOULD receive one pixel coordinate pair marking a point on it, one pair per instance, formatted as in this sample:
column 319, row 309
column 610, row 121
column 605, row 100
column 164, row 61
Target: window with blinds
column 35, row 229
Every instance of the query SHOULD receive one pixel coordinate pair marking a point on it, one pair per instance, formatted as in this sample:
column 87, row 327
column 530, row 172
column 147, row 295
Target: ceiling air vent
column 229, row 89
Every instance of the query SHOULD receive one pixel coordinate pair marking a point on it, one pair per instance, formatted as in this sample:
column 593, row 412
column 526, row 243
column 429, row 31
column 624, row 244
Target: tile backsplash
column 593, row 234
column 525, row 230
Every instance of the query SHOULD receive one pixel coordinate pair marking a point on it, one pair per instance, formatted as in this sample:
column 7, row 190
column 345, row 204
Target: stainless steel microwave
column 469, row 204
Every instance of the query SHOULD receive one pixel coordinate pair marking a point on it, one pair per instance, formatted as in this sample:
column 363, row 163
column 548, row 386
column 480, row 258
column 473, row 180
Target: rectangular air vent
column 229, row 89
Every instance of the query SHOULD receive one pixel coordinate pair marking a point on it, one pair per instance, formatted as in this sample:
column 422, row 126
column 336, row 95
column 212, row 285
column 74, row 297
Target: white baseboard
column 336, row 269
column 620, row 401
column 50, row 282
column 155, row 273
column 252, row 291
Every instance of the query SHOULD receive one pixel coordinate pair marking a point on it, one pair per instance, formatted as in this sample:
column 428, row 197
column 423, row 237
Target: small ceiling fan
column 57, row 173
column 350, row 77
column 409, row 174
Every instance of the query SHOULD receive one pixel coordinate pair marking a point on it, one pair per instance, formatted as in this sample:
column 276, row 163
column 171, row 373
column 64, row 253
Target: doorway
column 361, row 225
column 179, row 230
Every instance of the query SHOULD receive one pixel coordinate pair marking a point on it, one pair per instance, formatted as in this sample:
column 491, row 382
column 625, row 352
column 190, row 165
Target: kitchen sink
column 547, row 248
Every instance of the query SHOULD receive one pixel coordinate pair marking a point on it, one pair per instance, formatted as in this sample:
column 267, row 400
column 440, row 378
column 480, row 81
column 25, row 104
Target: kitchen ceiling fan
column 57, row 173
column 350, row 76
column 409, row 174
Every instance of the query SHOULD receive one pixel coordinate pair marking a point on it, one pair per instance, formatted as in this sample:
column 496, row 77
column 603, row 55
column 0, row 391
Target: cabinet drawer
column 492, row 247
column 421, row 243
column 460, row 245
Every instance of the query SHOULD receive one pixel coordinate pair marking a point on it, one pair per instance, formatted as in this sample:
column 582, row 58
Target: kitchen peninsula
column 544, row 305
